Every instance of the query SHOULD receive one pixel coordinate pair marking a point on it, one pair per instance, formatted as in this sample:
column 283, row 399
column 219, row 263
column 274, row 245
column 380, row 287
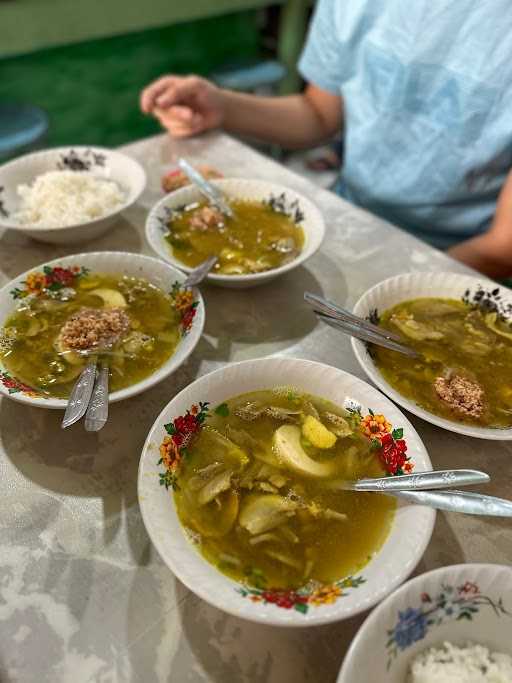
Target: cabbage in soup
column 257, row 489
column 130, row 319
column 466, row 370
column 261, row 236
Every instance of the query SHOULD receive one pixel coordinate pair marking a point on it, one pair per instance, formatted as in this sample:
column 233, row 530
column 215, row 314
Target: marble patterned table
column 84, row 597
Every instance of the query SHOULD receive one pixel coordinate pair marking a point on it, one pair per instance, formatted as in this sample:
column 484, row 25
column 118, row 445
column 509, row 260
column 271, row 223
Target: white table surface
column 83, row 594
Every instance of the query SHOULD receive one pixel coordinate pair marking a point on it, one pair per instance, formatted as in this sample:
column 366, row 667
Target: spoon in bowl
column 466, row 502
column 359, row 331
column 423, row 488
column 212, row 193
column 91, row 399
column 80, row 395
column 97, row 410
column 419, row 481
column 198, row 274
column 332, row 310
column 85, row 387
column 345, row 321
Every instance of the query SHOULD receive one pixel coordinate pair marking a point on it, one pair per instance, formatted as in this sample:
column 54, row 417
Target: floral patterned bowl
column 477, row 290
column 48, row 279
column 105, row 163
column 460, row 604
column 408, row 538
column 301, row 210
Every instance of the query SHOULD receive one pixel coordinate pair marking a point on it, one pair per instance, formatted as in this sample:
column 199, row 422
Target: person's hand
column 184, row 105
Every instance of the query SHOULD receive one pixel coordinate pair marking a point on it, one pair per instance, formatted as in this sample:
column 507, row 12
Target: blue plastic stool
column 250, row 77
column 22, row 128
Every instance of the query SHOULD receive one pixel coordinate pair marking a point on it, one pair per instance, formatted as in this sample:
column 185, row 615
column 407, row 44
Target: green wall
column 90, row 90
column 30, row 25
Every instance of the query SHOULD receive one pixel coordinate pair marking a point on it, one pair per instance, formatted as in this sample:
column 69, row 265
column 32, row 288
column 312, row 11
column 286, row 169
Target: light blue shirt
column 427, row 90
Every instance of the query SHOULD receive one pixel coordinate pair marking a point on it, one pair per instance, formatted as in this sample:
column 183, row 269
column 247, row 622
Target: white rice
column 62, row 198
column 452, row 664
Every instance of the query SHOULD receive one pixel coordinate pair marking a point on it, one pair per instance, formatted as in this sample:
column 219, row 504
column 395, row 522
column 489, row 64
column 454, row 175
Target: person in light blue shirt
column 420, row 90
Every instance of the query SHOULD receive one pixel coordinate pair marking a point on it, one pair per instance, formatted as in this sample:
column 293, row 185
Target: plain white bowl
column 236, row 188
column 155, row 271
column 413, row 286
column 105, row 163
column 408, row 538
column 460, row 604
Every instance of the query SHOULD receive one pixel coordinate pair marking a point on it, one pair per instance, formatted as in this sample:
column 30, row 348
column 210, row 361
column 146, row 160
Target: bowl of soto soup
column 128, row 310
column 274, row 229
column 462, row 327
column 239, row 491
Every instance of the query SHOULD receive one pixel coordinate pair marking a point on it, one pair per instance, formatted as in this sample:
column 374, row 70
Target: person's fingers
column 179, row 117
column 182, row 131
column 172, row 125
column 180, row 113
column 178, row 92
column 179, row 127
column 169, row 117
column 197, row 122
column 154, row 90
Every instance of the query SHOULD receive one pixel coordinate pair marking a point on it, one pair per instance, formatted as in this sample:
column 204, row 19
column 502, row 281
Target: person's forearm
column 491, row 253
column 292, row 121
column 486, row 255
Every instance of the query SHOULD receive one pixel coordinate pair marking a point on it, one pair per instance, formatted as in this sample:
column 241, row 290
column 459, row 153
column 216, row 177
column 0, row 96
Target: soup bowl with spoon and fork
column 53, row 279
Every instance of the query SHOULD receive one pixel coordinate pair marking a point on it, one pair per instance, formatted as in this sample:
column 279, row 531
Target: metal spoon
column 97, row 412
column 356, row 330
column 212, row 193
column 457, row 501
column 198, row 274
column 80, row 395
column 332, row 310
column 353, row 325
column 440, row 479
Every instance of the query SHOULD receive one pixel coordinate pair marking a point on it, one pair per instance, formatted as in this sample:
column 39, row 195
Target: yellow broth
column 468, row 345
column 35, row 359
column 307, row 546
column 258, row 238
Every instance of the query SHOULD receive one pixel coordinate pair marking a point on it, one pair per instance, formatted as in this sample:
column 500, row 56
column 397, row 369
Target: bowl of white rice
column 450, row 625
column 68, row 195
